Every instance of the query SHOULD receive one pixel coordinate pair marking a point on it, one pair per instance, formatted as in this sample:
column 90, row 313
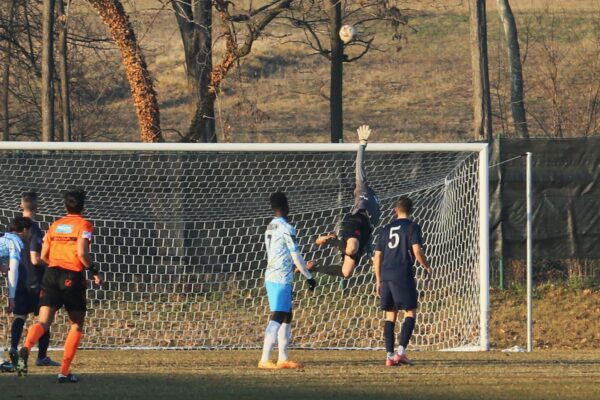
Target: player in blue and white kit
column 400, row 244
column 11, row 247
column 283, row 254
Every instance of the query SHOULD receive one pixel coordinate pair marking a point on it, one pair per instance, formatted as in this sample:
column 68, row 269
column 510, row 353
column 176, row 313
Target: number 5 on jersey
column 394, row 237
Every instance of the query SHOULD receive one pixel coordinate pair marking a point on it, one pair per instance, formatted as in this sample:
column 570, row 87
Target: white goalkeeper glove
column 363, row 134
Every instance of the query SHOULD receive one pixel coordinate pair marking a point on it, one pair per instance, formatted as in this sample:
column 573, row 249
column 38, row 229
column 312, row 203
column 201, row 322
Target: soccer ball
column 347, row 33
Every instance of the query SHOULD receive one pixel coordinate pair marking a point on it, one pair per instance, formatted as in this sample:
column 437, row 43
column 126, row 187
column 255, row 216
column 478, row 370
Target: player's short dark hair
column 279, row 201
column 29, row 200
column 18, row 224
column 75, row 201
column 404, row 204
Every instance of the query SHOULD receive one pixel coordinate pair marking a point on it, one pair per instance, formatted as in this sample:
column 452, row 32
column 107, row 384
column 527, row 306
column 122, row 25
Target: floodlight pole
column 529, row 255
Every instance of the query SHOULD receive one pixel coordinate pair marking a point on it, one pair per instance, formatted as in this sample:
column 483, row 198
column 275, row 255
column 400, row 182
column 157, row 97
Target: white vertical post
column 529, row 255
column 484, row 250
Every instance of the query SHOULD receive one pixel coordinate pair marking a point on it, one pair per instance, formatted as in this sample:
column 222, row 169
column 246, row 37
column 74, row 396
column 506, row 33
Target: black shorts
column 356, row 226
column 27, row 301
column 63, row 287
column 398, row 296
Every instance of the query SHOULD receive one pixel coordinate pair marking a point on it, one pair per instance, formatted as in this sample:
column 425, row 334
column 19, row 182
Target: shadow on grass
column 290, row 386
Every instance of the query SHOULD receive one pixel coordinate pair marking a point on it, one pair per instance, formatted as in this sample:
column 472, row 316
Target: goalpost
column 179, row 237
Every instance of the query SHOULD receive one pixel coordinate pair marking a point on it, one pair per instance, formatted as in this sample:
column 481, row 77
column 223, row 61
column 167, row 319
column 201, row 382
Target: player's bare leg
column 76, row 320
column 348, row 265
column 36, row 331
column 405, row 334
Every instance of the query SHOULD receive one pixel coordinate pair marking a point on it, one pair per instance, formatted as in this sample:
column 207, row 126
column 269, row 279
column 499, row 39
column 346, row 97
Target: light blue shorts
column 280, row 296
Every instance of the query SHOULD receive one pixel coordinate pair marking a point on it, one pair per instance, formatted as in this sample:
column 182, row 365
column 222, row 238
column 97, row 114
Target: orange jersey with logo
column 62, row 238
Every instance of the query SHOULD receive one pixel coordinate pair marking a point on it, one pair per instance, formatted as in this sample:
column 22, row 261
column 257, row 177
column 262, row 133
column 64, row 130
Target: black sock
column 407, row 330
column 15, row 332
column 333, row 270
column 43, row 344
column 388, row 333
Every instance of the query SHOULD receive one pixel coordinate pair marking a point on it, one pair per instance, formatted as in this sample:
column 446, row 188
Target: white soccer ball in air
column 347, row 33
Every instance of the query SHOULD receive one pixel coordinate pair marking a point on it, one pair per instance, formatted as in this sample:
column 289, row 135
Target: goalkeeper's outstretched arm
column 361, row 174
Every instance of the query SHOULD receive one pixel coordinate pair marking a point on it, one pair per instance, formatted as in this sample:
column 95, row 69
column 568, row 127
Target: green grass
column 328, row 374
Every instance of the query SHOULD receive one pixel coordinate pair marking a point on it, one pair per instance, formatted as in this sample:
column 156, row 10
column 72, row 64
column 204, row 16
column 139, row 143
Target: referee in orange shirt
column 66, row 251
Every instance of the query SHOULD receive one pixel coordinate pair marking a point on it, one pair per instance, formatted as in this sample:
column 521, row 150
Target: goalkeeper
column 354, row 238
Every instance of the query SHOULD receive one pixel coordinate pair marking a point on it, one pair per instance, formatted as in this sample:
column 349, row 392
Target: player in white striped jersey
column 283, row 255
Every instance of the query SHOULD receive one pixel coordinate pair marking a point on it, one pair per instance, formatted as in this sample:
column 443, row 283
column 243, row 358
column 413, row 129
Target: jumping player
column 354, row 239
column 66, row 251
column 399, row 244
column 27, row 298
column 283, row 253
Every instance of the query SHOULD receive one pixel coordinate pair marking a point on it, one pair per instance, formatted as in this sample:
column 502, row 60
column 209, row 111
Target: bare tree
column 145, row 100
column 242, row 25
column 321, row 21
column 47, row 94
column 195, row 26
column 482, row 103
column 517, row 100
column 65, row 102
column 6, row 75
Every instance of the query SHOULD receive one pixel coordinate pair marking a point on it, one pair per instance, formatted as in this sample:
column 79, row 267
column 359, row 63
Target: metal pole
column 484, row 250
column 529, row 256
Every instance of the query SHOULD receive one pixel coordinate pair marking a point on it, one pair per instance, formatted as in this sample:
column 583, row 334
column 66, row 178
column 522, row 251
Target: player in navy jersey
column 27, row 297
column 283, row 254
column 354, row 238
column 400, row 244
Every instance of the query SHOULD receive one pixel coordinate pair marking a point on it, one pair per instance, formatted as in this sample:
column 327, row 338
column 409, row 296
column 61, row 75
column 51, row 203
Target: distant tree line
column 52, row 61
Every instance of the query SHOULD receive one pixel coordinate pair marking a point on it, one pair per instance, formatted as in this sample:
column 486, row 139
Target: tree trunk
column 517, row 100
column 63, row 73
column 482, row 104
column 142, row 89
column 47, row 95
column 6, row 75
column 334, row 11
column 195, row 27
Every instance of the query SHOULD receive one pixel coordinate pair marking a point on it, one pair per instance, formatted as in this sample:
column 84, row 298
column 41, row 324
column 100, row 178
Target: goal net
column 179, row 238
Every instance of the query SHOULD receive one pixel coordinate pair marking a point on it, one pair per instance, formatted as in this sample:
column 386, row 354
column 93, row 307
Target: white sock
column 390, row 356
column 285, row 335
column 270, row 340
column 401, row 350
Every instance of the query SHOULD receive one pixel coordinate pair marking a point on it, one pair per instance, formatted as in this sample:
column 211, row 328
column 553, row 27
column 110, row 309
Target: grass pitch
column 328, row 374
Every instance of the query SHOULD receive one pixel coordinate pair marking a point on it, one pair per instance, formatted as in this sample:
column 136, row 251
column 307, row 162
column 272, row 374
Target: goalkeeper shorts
column 280, row 296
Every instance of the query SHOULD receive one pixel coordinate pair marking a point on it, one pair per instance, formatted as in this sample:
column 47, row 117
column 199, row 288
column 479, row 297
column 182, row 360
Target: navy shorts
column 398, row 295
column 27, row 301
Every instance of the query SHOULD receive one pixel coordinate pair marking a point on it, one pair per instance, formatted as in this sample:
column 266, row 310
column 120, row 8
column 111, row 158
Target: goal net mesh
column 179, row 238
